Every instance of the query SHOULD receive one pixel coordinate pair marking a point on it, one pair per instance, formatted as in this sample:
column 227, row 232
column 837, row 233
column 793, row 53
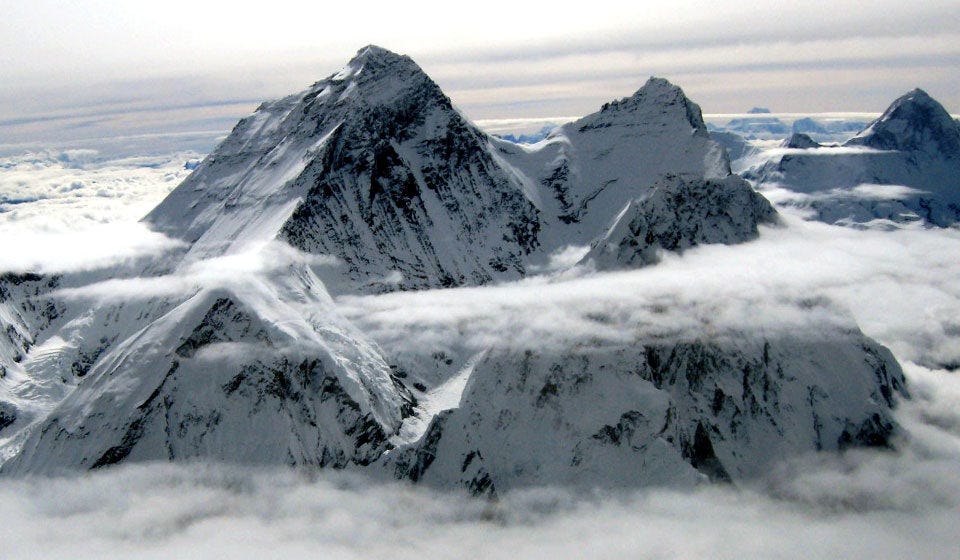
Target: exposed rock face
column 659, row 413
column 914, row 122
column 680, row 213
column 243, row 375
column 587, row 170
column 373, row 166
column 23, row 312
column 799, row 140
column 8, row 414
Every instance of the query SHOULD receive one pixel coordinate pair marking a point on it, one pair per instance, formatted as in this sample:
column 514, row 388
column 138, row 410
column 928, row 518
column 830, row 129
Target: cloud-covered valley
column 884, row 505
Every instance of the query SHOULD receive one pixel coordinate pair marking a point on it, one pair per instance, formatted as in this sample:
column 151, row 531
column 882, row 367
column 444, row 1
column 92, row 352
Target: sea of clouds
column 882, row 505
column 63, row 210
column 900, row 287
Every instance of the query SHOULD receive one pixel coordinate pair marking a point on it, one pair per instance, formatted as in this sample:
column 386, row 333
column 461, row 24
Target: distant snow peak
column 915, row 144
column 914, row 122
column 799, row 140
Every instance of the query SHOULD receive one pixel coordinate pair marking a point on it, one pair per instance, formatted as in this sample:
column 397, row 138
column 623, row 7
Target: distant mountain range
column 903, row 167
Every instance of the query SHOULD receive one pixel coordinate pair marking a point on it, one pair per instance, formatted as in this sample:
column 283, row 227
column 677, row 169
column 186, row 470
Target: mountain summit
column 658, row 103
column 914, row 146
column 914, row 122
column 374, row 166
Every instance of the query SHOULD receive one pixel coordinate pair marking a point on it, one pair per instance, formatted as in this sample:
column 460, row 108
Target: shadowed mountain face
column 914, row 122
column 374, row 167
column 680, row 213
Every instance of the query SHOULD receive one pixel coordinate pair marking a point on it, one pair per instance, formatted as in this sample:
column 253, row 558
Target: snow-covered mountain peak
column 913, row 148
column 371, row 59
column 799, row 140
column 658, row 102
column 248, row 359
column 378, row 54
column 376, row 76
column 914, row 122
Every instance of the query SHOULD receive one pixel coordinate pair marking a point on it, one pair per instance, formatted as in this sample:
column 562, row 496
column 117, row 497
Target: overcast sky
column 75, row 68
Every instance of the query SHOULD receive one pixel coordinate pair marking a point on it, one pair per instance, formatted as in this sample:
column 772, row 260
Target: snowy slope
column 373, row 166
column 586, row 171
column 737, row 146
column 24, row 313
column 233, row 350
column 656, row 413
column 259, row 372
column 914, row 146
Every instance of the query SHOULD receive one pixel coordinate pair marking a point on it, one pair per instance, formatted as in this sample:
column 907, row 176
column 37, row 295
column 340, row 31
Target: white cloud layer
column 72, row 210
column 899, row 286
column 879, row 505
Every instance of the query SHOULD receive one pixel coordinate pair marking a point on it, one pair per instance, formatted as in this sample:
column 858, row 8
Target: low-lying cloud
column 864, row 504
column 898, row 286
column 255, row 264
column 73, row 209
column 90, row 248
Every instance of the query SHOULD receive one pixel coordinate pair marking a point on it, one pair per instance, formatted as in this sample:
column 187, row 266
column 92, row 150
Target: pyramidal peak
column 655, row 84
column 913, row 122
column 373, row 167
column 377, row 52
column 375, row 60
column 656, row 99
column 654, row 91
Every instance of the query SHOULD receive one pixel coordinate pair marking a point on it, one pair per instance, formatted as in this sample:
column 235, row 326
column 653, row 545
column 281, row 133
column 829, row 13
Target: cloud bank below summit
column 897, row 286
column 861, row 505
column 69, row 210
column 900, row 287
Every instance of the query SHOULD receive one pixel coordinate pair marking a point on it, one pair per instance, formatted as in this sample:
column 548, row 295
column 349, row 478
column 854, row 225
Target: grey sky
column 76, row 69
